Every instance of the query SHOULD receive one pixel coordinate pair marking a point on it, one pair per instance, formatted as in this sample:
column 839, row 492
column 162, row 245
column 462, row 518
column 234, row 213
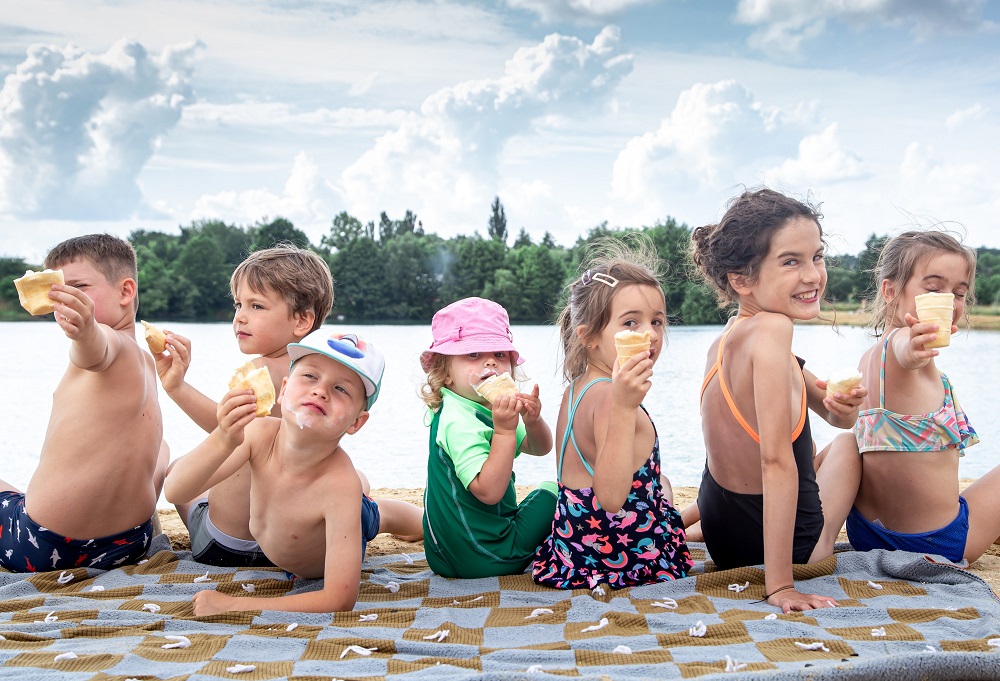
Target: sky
column 118, row 115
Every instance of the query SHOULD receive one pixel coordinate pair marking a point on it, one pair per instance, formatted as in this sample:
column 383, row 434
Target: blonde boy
column 91, row 500
column 307, row 508
column 280, row 294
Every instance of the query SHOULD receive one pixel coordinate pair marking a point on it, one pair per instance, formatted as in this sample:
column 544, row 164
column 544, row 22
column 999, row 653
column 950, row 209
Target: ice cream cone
column 155, row 338
column 628, row 343
column 937, row 308
column 497, row 385
column 843, row 382
column 33, row 290
column 259, row 380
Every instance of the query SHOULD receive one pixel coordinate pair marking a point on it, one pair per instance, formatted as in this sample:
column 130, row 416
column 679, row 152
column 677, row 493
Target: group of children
column 767, row 496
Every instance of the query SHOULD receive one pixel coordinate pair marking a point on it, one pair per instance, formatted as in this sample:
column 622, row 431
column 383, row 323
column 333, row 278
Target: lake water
column 392, row 447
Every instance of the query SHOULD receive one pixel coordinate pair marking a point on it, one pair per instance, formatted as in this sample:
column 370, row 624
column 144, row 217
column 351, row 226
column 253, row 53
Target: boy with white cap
column 307, row 508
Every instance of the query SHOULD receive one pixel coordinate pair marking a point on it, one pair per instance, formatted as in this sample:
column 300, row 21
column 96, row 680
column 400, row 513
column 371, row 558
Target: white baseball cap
column 350, row 350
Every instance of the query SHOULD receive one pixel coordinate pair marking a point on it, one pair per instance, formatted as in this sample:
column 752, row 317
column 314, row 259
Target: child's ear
column 127, row 291
column 888, row 290
column 281, row 388
column 581, row 333
column 358, row 422
column 739, row 283
column 303, row 323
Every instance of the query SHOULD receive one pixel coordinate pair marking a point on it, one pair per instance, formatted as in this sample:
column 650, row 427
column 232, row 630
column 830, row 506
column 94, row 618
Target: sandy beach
column 987, row 567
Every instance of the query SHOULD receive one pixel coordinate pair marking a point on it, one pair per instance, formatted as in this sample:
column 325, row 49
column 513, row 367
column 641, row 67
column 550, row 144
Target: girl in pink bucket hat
column 479, row 423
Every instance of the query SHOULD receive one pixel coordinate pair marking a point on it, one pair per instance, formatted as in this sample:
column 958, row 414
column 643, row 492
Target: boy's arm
column 341, row 571
column 538, row 435
column 220, row 455
column 490, row 485
column 95, row 346
column 171, row 368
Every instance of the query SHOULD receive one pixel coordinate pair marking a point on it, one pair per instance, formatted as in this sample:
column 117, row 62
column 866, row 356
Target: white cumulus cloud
column 442, row 161
column 304, row 200
column 785, row 24
column 715, row 136
column 76, row 128
column 821, row 159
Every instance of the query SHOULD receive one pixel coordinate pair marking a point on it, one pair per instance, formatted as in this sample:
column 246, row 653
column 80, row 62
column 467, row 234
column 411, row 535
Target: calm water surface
column 392, row 447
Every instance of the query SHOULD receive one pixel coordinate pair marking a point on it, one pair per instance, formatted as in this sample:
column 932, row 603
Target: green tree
column 277, row 231
column 408, row 274
column 344, row 229
column 523, row 239
column 359, row 280
column 497, row 227
column 867, row 262
column 202, row 264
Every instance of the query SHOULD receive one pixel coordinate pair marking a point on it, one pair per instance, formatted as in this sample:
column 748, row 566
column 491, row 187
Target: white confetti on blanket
column 938, row 622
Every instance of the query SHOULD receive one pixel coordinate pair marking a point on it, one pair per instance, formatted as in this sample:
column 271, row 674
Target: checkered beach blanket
column 901, row 616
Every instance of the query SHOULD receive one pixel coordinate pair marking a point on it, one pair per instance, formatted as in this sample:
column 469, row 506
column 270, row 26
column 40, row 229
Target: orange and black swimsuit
column 733, row 523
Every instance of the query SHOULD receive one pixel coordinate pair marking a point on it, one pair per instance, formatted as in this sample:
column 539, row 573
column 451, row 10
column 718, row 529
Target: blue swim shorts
column 949, row 541
column 25, row 546
column 370, row 520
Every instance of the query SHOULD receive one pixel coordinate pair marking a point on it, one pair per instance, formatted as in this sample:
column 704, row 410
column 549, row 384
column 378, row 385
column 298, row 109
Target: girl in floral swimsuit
column 615, row 523
column 912, row 430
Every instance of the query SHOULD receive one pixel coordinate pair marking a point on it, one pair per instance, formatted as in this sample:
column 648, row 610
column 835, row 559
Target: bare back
column 596, row 400
column 95, row 475
column 734, row 458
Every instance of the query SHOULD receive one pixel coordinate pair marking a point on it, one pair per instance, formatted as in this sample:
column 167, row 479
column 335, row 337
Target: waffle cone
column 843, row 384
column 496, row 386
column 259, row 381
column 155, row 338
column 33, row 290
column 628, row 343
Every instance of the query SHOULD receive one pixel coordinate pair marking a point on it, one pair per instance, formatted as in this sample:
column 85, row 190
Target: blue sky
column 141, row 114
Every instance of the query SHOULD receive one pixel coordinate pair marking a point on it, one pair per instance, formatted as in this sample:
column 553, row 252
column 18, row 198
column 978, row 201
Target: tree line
column 395, row 272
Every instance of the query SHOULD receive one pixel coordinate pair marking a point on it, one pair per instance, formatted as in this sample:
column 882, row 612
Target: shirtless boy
column 91, row 500
column 279, row 294
column 333, row 382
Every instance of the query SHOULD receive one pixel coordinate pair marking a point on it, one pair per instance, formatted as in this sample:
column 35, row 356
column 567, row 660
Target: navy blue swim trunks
column 25, row 546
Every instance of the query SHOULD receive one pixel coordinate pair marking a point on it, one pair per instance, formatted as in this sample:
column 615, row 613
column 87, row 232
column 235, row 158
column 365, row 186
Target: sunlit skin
column 105, row 423
column 915, row 492
column 766, row 384
column 263, row 325
column 320, row 534
column 465, row 372
column 612, row 432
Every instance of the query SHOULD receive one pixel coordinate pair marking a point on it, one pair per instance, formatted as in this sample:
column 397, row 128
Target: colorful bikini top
column 717, row 369
column 881, row 430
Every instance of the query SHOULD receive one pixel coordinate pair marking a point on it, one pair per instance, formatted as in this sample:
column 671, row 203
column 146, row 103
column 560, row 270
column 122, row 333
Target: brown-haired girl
column 759, row 500
column 615, row 522
column 912, row 430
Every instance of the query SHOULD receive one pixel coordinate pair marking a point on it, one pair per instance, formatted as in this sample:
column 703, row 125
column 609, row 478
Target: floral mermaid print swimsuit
column 642, row 543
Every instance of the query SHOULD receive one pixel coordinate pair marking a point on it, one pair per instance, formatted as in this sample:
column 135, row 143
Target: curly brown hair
column 742, row 239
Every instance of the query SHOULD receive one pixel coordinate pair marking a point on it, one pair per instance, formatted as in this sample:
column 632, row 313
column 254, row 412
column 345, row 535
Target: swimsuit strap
column 568, row 433
column 717, row 369
column 881, row 370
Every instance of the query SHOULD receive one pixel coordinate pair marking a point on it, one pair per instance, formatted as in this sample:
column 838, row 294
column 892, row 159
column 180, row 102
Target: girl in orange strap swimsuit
column 759, row 500
column 912, row 430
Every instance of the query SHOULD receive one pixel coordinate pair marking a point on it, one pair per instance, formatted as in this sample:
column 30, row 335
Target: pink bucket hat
column 470, row 325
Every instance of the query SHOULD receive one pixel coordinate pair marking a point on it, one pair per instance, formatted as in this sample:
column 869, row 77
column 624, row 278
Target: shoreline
column 987, row 567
